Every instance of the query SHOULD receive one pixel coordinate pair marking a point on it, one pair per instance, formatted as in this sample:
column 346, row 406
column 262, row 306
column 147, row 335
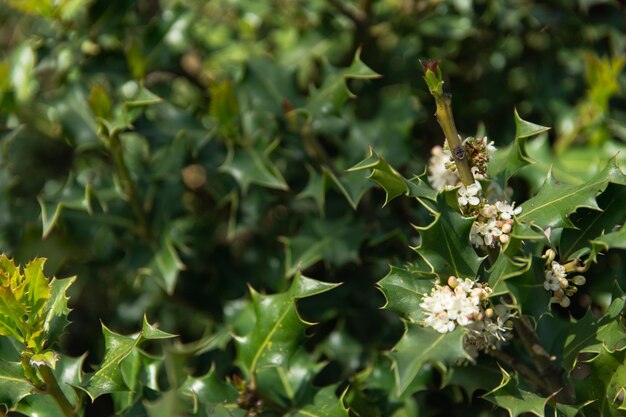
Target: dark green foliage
column 194, row 162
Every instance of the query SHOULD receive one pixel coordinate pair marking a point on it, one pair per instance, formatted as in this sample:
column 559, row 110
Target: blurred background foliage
column 173, row 153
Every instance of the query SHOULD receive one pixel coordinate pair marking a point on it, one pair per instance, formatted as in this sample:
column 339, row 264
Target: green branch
column 443, row 101
column 52, row 388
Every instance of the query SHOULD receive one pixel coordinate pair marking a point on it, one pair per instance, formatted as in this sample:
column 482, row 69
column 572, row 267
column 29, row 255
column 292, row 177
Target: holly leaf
column 56, row 319
column 109, row 378
column 515, row 399
column 391, row 181
column 604, row 385
column 592, row 224
column 208, row 389
column 566, row 339
column 505, row 268
column 251, row 166
column 555, row 201
column 336, row 242
column 420, row 345
column 404, row 290
column 278, row 330
column 524, row 129
column 509, row 160
column 445, row 243
column 13, row 385
column 615, row 240
column 325, row 404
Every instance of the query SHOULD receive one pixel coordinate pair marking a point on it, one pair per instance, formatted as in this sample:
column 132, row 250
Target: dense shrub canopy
column 205, row 164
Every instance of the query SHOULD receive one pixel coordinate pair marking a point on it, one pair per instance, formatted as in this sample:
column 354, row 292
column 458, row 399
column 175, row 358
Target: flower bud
column 565, row 302
column 504, row 238
column 579, row 280
column 499, row 223
column 452, row 282
column 489, row 312
column 563, row 283
column 488, row 211
column 506, row 228
column 559, row 294
column 549, row 256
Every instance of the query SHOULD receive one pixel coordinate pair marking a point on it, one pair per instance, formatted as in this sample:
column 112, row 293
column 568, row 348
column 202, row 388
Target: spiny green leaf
column 615, row 240
column 166, row 265
column 514, row 399
column 278, row 330
column 249, row 166
column 336, row 242
column 604, row 384
column 509, row 160
column 289, row 386
column 404, row 290
column 555, row 201
column 504, row 268
column 56, row 319
column 325, row 404
column 567, row 339
column 209, row 389
column 13, row 385
column 524, row 129
column 593, row 224
column 109, row 378
column 358, row 69
column 420, row 345
column 445, row 243
column 471, row 378
column 392, row 182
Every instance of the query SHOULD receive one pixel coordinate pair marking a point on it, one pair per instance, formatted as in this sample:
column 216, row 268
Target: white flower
column 469, row 195
column 558, row 269
column 489, row 147
column 507, row 211
column 552, row 282
column 440, row 176
column 476, row 237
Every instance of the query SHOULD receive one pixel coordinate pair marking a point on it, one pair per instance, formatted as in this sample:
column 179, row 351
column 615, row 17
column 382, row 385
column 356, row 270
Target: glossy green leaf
column 278, row 330
column 250, row 166
column 109, row 378
column 593, row 224
column 58, row 310
column 515, row 399
column 505, row 268
column 524, row 129
column 209, row 389
column 13, row 385
column 166, row 265
column 420, row 345
column 404, row 290
column 325, row 404
column 445, row 243
column 336, row 242
column 567, row 339
column 554, row 203
column 507, row 161
column 604, row 384
column 391, row 181
column 615, row 240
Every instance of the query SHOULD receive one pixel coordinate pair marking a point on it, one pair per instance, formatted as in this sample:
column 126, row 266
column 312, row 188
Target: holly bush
column 267, row 182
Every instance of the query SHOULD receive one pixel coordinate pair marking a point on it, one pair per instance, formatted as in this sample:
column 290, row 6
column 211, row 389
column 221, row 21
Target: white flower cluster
column 464, row 302
column 557, row 281
column 493, row 223
column 441, row 169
